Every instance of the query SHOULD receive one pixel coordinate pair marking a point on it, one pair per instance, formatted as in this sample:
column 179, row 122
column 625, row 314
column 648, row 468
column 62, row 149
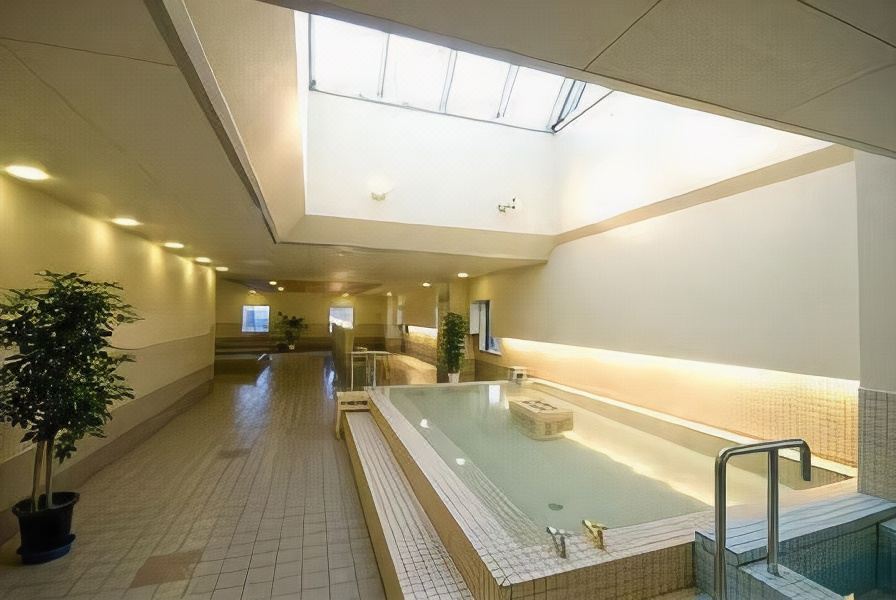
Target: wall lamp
column 503, row 207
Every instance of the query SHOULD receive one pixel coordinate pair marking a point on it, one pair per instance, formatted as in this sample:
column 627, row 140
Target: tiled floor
column 246, row 495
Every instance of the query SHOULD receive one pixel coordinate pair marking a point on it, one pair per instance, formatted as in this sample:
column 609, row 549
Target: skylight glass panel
column 415, row 73
column 346, row 58
column 532, row 99
column 477, row 86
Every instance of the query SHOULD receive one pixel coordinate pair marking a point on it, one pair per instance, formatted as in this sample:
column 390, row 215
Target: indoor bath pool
column 560, row 458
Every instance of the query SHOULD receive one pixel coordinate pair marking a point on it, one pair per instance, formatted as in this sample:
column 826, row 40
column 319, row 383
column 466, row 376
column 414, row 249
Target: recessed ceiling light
column 424, row 423
column 203, row 260
column 280, row 289
column 427, row 284
column 252, row 291
column 345, row 294
column 389, row 294
column 273, row 282
column 173, row 245
column 222, row 269
column 463, row 275
column 126, row 221
column 27, row 172
column 461, row 461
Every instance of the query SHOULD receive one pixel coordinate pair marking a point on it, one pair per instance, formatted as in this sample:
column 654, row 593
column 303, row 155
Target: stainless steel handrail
column 369, row 373
column 770, row 448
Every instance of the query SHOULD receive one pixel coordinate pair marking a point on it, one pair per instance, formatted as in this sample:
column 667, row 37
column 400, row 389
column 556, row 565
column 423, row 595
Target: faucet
column 596, row 530
column 561, row 535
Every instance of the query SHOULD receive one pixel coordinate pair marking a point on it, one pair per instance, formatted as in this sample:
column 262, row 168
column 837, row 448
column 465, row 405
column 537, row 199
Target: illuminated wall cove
column 755, row 402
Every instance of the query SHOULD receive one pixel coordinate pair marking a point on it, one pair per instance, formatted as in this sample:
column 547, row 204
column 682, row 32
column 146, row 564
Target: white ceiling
column 821, row 67
column 90, row 90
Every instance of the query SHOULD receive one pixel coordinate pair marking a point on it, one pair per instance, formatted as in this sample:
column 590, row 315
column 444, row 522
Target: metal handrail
column 771, row 448
column 369, row 373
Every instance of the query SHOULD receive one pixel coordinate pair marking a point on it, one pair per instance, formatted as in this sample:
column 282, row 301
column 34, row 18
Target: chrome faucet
column 596, row 531
column 558, row 534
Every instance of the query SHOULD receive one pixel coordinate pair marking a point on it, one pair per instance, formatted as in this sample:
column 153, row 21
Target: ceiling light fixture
column 281, row 288
column 203, row 260
column 222, row 269
column 126, row 221
column 27, row 172
column 173, row 245
column 463, row 275
column 460, row 461
column 345, row 294
column 427, row 284
column 389, row 294
column 272, row 282
column 252, row 292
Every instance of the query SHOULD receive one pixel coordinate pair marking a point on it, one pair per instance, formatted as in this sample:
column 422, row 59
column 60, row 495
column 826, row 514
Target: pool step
column 413, row 561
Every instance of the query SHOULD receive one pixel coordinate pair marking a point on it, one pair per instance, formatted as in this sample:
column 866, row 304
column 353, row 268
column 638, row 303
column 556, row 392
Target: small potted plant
column 290, row 330
column 58, row 385
column 452, row 343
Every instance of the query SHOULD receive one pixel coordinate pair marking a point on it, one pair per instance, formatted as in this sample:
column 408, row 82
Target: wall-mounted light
column 203, row 260
column 126, row 221
column 27, row 172
column 427, row 284
column 222, row 269
column 503, row 207
column 378, row 196
column 379, row 186
column 173, row 245
column 463, row 275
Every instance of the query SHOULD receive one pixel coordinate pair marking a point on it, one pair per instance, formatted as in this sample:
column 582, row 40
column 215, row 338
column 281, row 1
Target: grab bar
column 770, row 448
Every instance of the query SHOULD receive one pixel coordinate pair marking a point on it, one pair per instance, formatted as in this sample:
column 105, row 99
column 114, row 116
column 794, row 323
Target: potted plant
column 58, row 385
column 290, row 330
column 452, row 343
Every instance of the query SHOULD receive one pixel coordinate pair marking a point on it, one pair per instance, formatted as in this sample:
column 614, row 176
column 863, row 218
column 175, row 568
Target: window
column 256, row 319
column 359, row 62
column 342, row 316
column 480, row 324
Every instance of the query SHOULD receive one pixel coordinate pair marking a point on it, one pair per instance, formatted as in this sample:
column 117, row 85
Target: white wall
column 441, row 170
column 876, row 187
column 629, row 152
column 766, row 278
column 625, row 153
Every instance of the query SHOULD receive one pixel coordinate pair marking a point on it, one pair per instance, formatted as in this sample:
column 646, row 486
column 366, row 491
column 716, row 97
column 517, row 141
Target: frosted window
column 343, row 316
column 256, row 319
column 532, row 98
column 477, row 86
column 415, row 73
column 346, row 57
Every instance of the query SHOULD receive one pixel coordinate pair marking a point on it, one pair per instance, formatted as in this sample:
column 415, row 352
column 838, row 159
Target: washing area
column 539, row 490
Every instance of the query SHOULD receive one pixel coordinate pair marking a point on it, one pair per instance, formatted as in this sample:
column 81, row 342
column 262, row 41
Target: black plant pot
column 46, row 533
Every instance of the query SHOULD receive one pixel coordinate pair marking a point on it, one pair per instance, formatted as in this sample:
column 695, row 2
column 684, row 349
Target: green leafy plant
column 452, row 341
column 60, row 380
column 289, row 329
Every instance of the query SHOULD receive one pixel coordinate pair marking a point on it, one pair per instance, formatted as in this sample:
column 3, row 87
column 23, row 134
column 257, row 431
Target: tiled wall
column 758, row 403
column 877, row 443
column 420, row 346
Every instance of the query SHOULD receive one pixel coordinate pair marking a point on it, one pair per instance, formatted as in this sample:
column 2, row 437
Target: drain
column 554, row 506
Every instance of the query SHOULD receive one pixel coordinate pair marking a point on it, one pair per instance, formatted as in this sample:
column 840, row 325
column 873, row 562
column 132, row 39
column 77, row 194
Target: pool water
column 601, row 470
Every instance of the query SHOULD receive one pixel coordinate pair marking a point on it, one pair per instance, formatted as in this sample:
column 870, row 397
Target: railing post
column 721, row 526
column 773, row 512
column 771, row 449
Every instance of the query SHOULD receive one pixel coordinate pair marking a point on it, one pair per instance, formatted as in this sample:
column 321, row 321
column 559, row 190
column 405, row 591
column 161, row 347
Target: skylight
column 359, row 62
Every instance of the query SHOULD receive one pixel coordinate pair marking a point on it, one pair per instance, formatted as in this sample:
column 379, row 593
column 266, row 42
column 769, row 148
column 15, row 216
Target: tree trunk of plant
column 49, row 479
column 35, row 483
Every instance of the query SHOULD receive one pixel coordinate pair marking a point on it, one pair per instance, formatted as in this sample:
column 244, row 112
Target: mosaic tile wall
column 754, row 402
column 877, row 443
